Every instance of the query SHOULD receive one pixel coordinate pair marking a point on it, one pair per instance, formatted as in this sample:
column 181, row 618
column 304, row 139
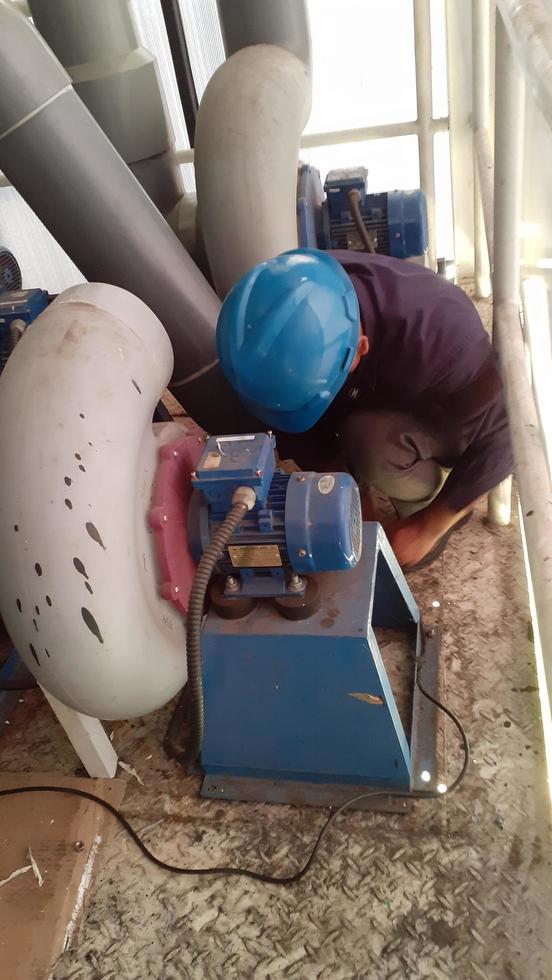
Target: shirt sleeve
column 478, row 416
column 483, row 465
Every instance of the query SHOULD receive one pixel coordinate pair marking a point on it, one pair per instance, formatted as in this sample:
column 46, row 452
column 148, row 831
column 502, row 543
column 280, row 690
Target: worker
column 379, row 366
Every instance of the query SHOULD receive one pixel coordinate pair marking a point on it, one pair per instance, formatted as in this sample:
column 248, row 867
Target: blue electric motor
column 395, row 220
column 18, row 307
column 301, row 522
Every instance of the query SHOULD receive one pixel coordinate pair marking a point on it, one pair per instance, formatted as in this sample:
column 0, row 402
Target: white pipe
column 508, row 156
column 246, row 147
column 77, row 457
column 532, row 473
column 528, row 24
column 485, row 171
column 508, row 174
column 422, row 44
column 480, row 96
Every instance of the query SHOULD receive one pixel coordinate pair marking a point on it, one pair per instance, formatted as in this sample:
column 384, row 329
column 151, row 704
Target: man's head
column 288, row 335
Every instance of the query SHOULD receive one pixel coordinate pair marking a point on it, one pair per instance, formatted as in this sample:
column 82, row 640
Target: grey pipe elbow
column 284, row 23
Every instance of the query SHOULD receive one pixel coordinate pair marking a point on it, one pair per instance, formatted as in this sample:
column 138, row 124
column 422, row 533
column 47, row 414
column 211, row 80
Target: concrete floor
column 458, row 889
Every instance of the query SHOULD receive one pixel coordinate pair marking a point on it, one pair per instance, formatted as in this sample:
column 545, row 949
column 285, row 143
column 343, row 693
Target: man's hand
column 414, row 537
column 411, row 540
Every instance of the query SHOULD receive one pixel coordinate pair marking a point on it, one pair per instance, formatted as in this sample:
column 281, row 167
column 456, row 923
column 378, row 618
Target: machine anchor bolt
column 296, row 583
column 232, row 584
column 78, row 845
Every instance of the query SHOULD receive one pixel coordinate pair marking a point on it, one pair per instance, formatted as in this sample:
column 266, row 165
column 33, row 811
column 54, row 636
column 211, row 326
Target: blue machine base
column 303, row 712
column 11, row 669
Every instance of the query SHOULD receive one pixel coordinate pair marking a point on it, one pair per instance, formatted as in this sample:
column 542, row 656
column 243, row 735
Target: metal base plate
column 293, row 792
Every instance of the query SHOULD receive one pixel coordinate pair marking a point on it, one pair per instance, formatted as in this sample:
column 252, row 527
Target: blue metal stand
column 297, row 711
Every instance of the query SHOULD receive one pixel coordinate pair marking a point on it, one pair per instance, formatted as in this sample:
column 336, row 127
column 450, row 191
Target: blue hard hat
column 287, row 335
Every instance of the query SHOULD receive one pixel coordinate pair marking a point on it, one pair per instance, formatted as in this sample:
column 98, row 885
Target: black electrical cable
column 354, row 204
column 194, row 621
column 245, row 872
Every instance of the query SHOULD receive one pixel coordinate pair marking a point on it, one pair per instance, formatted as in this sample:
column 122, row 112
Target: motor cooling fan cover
column 10, row 273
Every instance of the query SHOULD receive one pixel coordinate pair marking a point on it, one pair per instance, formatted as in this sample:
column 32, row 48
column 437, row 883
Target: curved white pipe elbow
column 78, row 588
column 247, row 137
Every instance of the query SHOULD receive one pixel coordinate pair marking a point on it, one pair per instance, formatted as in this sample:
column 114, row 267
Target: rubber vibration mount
column 296, row 607
column 235, row 607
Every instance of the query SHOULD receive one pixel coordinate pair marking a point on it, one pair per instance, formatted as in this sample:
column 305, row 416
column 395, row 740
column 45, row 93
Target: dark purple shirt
column 430, row 356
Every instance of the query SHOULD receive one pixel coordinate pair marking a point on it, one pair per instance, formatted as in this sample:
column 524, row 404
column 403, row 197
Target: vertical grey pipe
column 284, row 23
column 61, row 162
column 117, row 81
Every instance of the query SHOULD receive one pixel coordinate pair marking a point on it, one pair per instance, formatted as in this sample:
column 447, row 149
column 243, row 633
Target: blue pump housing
column 301, row 522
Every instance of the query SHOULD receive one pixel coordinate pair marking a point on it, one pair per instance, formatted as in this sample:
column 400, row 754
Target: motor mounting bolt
column 296, row 583
column 302, row 553
column 258, row 472
column 193, row 475
column 231, row 584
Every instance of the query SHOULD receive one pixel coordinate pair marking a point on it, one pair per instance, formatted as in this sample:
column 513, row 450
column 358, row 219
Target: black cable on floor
column 245, row 872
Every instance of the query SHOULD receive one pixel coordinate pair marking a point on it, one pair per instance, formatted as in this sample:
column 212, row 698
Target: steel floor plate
column 458, row 889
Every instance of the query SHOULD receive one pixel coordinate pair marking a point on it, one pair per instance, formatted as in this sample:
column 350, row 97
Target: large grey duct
column 61, row 162
column 117, row 80
column 281, row 22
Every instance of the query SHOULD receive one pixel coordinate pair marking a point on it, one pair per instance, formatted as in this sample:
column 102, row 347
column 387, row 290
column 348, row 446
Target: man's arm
column 414, row 537
column 484, row 464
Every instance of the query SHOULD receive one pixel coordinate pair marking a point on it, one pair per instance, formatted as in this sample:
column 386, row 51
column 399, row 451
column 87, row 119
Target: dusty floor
column 459, row 889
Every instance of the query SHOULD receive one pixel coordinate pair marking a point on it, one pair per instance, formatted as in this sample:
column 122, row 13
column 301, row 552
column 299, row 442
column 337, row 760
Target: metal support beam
column 509, row 135
column 508, row 155
column 480, row 96
column 182, row 66
column 485, row 173
column 335, row 137
column 422, row 43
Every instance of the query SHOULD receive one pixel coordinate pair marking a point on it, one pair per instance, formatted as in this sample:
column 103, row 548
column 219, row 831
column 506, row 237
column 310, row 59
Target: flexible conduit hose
column 354, row 205
column 242, row 501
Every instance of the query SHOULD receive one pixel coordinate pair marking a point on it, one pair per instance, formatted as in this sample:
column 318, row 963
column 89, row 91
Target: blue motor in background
column 301, row 522
column 18, row 307
column 396, row 221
